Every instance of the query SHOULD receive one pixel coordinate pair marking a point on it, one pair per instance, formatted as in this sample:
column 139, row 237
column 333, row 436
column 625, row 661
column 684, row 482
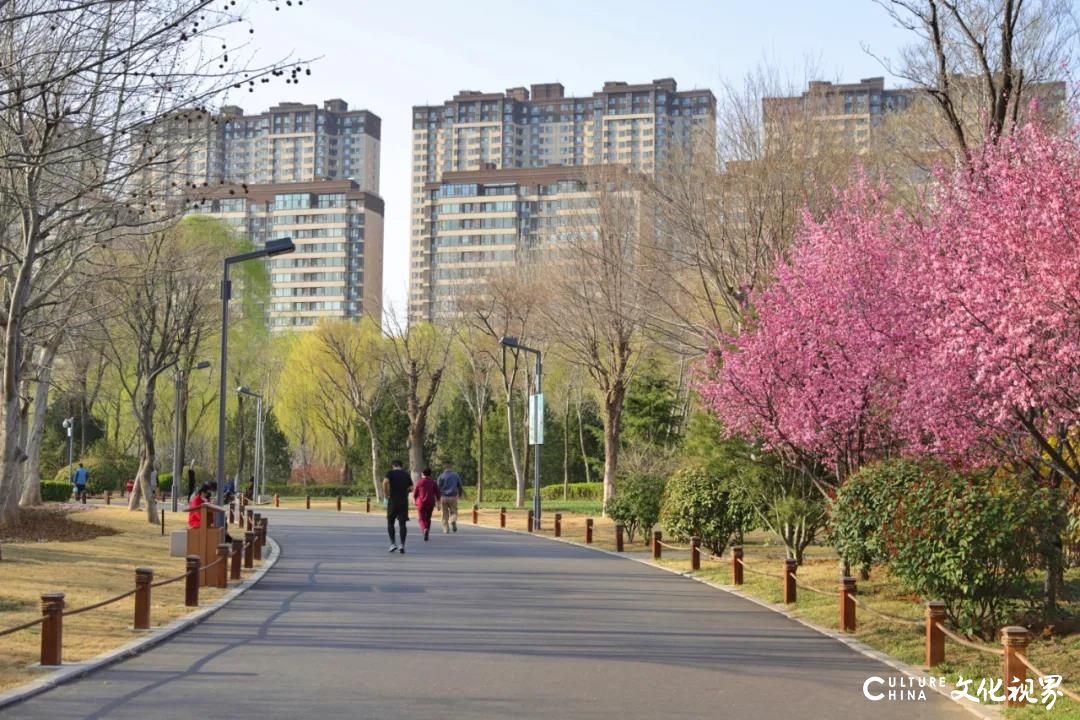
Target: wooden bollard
column 250, row 522
column 529, row 522
column 108, row 497
column 1014, row 639
column 847, row 604
column 588, row 531
column 144, row 578
column 277, row 500
column 237, row 558
column 502, row 517
column 935, row 639
column 307, row 502
column 736, row 565
column 367, row 504
column 258, row 543
column 232, row 514
column 52, row 629
column 249, row 549
column 619, row 531
column 339, row 503
column 695, row 553
column 657, row 552
column 221, row 575
column 558, row 524
column 163, row 522
column 475, row 514
column 191, row 582
column 790, row 566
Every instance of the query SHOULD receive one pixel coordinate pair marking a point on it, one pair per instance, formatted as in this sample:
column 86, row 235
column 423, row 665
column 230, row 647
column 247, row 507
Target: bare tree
column 418, row 358
column 981, row 62
column 77, row 81
column 472, row 373
column 600, row 271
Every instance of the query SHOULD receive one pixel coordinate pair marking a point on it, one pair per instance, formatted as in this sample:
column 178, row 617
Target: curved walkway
column 481, row 624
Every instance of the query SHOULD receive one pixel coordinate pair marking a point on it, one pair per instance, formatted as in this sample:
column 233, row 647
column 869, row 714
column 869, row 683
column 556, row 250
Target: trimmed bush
column 319, row 491
column 967, row 539
column 697, row 503
column 637, row 503
column 56, row 491
column 164, row 482
column 865, row 503
column 575, row 491
column 106, row 473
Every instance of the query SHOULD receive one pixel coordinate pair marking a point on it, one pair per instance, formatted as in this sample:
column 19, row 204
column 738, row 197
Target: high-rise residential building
column 336, row 270
column 847, row 117
column 296, row 170
column 636, row 126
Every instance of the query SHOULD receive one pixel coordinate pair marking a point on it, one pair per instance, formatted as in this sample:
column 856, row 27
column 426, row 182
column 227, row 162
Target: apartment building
column 636, row 126
column 336, row 269
column 301, row 170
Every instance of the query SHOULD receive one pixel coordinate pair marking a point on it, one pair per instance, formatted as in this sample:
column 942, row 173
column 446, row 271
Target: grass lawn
column 97, row 557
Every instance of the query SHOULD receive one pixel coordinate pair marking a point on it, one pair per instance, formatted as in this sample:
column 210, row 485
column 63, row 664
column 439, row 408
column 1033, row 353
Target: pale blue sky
column 386, row 56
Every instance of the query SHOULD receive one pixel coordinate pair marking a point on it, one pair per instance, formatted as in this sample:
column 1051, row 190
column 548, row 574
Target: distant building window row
column 477, row 223
column 499, row 206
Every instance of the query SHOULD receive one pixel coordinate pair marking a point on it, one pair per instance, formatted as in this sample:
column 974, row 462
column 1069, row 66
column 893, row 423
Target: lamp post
column 69, row 425
column 257, row 469
column 181, row 407
column 536, row 419
column 272, row 248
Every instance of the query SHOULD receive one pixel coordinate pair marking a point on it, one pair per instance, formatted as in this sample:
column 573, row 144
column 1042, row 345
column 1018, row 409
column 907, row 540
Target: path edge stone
column 72, row 671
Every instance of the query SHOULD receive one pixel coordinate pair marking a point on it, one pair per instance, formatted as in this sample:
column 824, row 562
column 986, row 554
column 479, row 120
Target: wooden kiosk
column 204, row 540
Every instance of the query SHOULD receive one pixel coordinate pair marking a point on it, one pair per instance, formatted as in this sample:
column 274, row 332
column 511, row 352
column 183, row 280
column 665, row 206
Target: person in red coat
column 426, row 497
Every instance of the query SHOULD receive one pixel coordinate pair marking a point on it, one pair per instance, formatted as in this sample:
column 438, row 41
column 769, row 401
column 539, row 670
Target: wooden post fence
column 52, row 629
column 1015, row 640
column 619, row 531
column 221, row 577
column 656, row 546
column 790, row 566
column 502, row 517
column 736, row 565
column 529, row 522
column 475, row 514
column 367, row 504
column 249, row 549
column 588, row 531
column 277, row 500
column 695, row 553
column 144, row 578
column 847, row 604
column 237, row 558
column 191, row 582
column 339, row 503
column 108, row 497
column 935, row 639
column 307, row 502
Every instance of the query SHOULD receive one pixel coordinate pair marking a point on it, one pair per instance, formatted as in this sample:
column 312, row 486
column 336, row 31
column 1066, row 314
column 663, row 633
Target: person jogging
column 451, row 490
column 396, row 487
column 426, row 496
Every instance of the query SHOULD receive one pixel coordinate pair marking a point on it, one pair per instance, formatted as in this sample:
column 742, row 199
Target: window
column 292, row 201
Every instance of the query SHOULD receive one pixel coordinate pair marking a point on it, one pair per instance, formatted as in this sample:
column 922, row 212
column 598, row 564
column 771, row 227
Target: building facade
column 336, row 270
column 296, row 170
column 636, row 126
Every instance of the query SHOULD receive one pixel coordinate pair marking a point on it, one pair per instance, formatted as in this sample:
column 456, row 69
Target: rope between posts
column 24, row 626
column 673, row 547
column 758, row 572
column 171, row 580
column 1069, row 693
column 103, row 603
column 967, row 643
column 811, row 588
column 887, row 616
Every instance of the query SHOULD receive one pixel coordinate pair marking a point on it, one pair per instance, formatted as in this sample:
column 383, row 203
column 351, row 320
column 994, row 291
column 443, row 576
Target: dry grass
column 87, row 571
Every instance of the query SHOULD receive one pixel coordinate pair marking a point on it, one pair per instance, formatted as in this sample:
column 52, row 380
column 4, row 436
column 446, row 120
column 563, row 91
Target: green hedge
column 56, row 491
column 575, row 491
column 318, row 490
column 106, row 473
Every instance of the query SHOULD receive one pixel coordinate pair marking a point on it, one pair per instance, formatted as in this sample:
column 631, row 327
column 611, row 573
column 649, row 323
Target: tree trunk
column 480, row 460
column 31, row 491
column 581, row 439
column 148, row 452
column 515, row 457
column 566, row 451
column 240, row 485
column 376, row 476
column 612, row 435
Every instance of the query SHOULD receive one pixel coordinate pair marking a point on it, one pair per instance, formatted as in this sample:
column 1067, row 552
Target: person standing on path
column 426, row 496
column 82, row 476
column 396, row 486
column 451, row 491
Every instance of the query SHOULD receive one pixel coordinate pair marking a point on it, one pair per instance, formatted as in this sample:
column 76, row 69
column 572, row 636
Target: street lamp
column 536, row 418
column 272, row 248
column 69, row 424
column 257, row 470
column 181, row 408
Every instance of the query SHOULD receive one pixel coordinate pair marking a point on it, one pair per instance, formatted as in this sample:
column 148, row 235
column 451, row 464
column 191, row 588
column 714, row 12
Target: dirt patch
column 52, row 525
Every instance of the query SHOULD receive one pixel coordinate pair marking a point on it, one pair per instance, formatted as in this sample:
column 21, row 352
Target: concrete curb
column 983, row 712
column 73, row 671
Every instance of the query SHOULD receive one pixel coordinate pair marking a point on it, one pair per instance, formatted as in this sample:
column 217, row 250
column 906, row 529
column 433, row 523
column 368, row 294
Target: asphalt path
column 479, row 624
